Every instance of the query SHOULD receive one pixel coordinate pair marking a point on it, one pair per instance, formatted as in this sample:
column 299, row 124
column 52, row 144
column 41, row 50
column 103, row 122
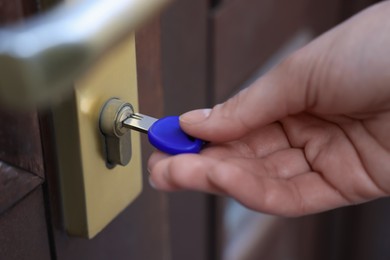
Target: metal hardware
column 41, row 58
column 117, row 137
column 139, row 122
column 93, row 194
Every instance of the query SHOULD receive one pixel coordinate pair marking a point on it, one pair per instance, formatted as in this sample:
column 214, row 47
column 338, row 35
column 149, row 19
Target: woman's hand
column 311, row 135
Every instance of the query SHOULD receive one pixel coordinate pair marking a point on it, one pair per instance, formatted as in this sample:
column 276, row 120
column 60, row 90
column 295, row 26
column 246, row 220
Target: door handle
column 86, row 44
column 40, row 59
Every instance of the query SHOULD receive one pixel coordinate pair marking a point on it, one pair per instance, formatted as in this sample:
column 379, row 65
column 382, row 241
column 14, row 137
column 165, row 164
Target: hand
column 311, row 135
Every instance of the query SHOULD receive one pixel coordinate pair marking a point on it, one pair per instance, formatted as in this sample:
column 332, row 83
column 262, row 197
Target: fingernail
column 195, row 116
column 152, row 183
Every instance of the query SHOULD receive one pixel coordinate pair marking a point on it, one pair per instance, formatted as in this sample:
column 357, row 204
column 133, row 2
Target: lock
column 118, row 117
column 43, row 59
column 117, row 138
column 92, row 193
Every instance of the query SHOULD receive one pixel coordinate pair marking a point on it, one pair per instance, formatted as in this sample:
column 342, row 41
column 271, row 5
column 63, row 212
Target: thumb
column 341, row 72
column 277, row 94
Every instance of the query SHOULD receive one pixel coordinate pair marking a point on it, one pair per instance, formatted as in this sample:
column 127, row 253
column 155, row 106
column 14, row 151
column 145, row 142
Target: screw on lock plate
column 117, row 137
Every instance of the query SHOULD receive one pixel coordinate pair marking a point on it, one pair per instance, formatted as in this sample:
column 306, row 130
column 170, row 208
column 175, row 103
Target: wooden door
column 155, row 226
column 24, row 233
column 239, row 39
column 247, row 38
column 202, row 51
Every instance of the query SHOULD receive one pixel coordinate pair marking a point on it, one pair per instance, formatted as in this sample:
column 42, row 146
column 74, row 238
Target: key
column 165, row 134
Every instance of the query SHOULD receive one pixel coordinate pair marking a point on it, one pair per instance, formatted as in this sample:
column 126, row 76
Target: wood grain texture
column 30, row 7
column 185, row 60
column 351, row 7
column 141, row 230
column 15, row 184
column 20, row 141
column 17, row 10
column 149, row 75
column 322, row 15
column 10, row 11
column 245, row 34
column 23, row 233
column 185, row 56
column 367, row 231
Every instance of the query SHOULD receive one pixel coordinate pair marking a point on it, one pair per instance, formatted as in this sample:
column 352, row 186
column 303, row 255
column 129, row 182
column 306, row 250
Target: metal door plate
column 92, row 192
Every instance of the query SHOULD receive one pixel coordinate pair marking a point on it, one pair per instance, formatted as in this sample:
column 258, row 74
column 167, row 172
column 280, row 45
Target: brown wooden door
column 155, row 226
column 24, row 233
column 201, row 51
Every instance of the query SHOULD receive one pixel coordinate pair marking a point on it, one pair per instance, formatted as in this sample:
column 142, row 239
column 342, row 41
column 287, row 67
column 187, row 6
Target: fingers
column 301, row 195
column 259, row 143
column 264, row 102
column 266, row 186
column 344, row 71
column 333, row 150
column 187, row 171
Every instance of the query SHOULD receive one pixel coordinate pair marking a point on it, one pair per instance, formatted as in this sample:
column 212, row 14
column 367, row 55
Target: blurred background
column 196, row 54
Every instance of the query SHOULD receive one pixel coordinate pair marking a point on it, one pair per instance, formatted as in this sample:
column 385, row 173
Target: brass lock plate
column 92, row 193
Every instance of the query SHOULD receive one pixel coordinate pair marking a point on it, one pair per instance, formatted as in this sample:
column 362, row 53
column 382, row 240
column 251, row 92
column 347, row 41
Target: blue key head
column 167, row 136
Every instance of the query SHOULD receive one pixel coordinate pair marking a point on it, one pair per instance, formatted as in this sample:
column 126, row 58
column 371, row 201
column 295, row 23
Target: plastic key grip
column 166, row 135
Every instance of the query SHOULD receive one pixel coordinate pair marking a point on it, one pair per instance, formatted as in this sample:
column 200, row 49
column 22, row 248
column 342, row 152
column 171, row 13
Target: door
column 240, row 40
column 248, row 38
column 31, row 213
column 204, row 67
column 24, row 231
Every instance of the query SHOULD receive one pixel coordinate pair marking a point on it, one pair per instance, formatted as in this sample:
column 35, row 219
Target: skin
column 311, row 135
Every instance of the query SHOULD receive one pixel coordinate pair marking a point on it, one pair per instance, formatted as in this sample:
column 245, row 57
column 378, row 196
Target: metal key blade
column 139, row 122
